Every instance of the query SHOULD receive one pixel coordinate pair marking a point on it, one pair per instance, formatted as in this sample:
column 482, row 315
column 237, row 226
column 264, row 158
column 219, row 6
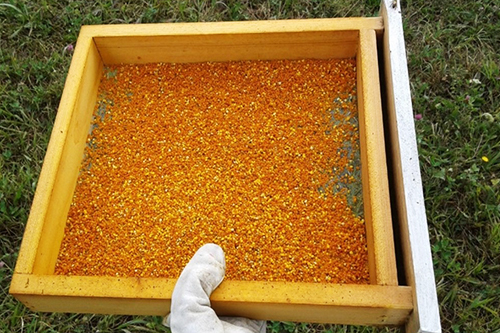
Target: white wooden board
column 409, row 199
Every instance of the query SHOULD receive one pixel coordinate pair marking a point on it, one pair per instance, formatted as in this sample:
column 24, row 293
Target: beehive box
column 384, row 301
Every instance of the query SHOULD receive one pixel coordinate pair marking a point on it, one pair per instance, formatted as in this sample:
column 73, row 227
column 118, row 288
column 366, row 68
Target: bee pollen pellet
column 260, row 157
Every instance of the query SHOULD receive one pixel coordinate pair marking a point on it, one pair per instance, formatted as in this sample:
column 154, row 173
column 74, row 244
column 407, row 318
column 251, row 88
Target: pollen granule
column 260, row 157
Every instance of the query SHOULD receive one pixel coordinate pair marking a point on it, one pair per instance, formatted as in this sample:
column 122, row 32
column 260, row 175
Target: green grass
column 455, row 79
column 452, row 50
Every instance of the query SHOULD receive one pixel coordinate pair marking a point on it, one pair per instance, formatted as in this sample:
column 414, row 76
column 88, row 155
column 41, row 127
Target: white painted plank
column 410, row 199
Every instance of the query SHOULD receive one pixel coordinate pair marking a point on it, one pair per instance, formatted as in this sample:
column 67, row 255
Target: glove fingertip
column 166, row 321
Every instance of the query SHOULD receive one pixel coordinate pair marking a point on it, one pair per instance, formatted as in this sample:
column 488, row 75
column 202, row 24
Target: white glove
column 190, row 310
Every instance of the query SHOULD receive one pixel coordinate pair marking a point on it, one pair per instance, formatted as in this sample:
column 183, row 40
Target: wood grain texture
column 322, row 303
column 376, row 201
column 409, row 195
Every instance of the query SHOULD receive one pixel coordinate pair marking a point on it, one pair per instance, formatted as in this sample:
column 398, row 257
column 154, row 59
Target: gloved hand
column 190, row 308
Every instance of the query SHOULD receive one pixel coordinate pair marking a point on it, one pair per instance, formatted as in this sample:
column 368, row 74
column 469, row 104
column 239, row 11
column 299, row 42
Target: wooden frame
column 383, row 302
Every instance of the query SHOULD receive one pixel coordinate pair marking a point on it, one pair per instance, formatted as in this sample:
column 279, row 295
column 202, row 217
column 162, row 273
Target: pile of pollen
column 259, row 157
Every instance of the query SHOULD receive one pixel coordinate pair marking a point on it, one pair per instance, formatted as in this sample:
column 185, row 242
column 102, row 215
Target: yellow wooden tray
column 382, row 302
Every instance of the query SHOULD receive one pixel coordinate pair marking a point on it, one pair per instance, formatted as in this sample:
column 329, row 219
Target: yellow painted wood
column 376, row 200
column 243, row 27
column 251, row 40
column 70, row 161
column 354, row 304
column 228, row 47
column 46, row 215
column 33, row 283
